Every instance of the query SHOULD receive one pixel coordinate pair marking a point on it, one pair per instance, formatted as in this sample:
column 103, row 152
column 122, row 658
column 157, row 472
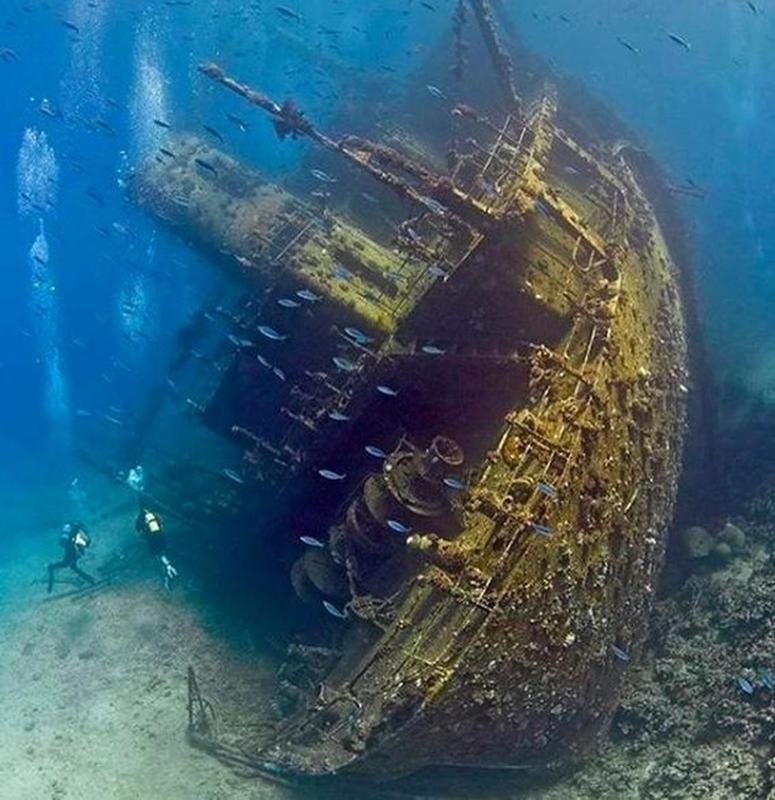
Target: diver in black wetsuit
column 149, row 525
column 74, row 541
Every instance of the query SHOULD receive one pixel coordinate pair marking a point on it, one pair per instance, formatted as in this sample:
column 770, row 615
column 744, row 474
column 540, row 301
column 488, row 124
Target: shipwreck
column 495, row 393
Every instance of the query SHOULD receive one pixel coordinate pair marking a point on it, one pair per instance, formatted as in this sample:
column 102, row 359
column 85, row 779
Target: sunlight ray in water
column 82, row 91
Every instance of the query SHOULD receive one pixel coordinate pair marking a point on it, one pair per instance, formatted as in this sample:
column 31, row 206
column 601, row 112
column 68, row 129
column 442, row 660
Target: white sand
column 93, row 689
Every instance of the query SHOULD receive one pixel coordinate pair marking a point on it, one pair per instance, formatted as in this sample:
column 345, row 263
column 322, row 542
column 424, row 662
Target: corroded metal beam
column 291, row 121
column 502, row 63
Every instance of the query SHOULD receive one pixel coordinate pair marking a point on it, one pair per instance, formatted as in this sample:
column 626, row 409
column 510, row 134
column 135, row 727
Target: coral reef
column 698, row 719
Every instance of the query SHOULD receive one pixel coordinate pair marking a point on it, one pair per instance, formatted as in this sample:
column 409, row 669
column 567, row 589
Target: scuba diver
column 74, row 541
column 149, row 526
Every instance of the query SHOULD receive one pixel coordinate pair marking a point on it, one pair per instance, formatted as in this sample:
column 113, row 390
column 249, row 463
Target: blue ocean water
column 94, row 291
column 116, row 286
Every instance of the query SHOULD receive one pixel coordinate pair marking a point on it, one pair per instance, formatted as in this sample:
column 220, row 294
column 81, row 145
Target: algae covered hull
column 513, row 358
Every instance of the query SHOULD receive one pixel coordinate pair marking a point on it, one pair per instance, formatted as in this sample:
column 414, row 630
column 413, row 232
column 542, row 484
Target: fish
column 206, row 165
column 619, row 653
column 768, row 678
column 100, row 123
column 168, row 153
column 377, row 452
column 432, row 350
column 454, row 483
column 413, row 235
column 679, row 40
column 627, row 45
column 48, row 109
column 240, row 123
column 434, row 206
column 436, row 92
column 334, row 611
column 330, row 475
column 289, row 13
column 397, row 526
column 754, row 8
column 311, row 541
column 8, row 55
column 438, row 272
column 744, row 685
column 261, row 360
column 321, row 176
column 544, row 530
column 233, row 476
column 547, row 489
column 342, row 272
column 357, row 336
column 162, row 124
column 213, row 132
column 542, row 208
column 112, row 420
column 71, row 26
column 344, row 364
column 338, row 416
column 237, row 342
column 279, row 373
column 286, row 303
column 307, row 294
column 388, row 391
column 82, row 412
column 369, row 198
column 271, row 333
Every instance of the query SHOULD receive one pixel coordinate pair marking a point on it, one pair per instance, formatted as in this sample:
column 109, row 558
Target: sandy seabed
column 93, row 687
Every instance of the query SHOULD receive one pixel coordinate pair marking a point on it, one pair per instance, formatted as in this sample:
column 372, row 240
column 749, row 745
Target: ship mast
column 436, row 193
column 501, row 60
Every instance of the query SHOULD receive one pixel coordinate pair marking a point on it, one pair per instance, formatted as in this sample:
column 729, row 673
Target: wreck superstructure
column 515, row 359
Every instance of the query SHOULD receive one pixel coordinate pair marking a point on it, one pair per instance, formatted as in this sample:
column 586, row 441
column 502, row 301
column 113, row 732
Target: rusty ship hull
column 519, row 351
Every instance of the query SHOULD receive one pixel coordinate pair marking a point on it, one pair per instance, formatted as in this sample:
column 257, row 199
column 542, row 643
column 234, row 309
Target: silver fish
column 377, row 452
column 432, row 350
column 357, row 336
column 544, row 530
column 271, row 333
column 237, row 342
column 397, row 526
column 321, row 176
column 233, row 476
column 330, row 475
column 261, row 360
column 342, row 272
column 454, row 483
column 547, row 489
column 436, row 92
column 434, row 206
column 311, row 541
column 679, row 40
column 306, row 294
column 387, row 391
column 280, row 374
column 619, row 653
column 287, row 303
column 344, row 364
column 338, row 416
column 334, row 611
